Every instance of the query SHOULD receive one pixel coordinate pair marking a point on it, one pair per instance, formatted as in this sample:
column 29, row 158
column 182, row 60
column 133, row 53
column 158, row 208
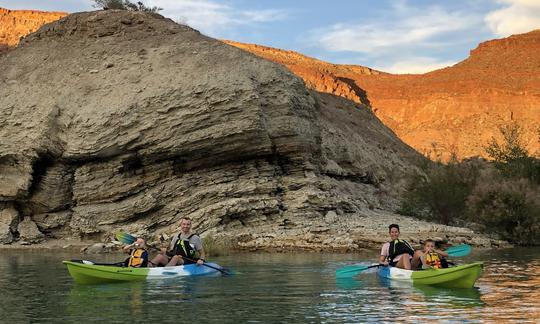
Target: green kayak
column 462, row 276
column 88, row 272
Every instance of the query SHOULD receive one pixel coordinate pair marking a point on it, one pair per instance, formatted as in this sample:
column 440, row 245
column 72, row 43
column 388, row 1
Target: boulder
column 29, row 232
column 8, row 224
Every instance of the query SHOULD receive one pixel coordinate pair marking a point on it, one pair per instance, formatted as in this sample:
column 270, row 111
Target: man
column 398, row 253
column 183, row 248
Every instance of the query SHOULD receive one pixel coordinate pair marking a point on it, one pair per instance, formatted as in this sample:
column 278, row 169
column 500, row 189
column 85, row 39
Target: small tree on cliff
column 125, row 5
column 511, row 156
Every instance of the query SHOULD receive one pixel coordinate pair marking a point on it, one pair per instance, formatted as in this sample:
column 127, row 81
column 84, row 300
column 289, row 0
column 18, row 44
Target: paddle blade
column 350, row 271
column 459, row 250
column 125, row 238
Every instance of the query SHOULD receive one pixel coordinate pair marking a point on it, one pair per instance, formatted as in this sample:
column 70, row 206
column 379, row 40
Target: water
column 35, row 287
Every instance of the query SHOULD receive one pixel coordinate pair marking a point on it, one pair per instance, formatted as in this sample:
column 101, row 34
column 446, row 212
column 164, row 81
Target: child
column 138, row 255
column 432, row 257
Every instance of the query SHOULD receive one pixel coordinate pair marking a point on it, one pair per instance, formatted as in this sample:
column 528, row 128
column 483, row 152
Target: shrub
column 214, row 248
column 124, row 5
column 511, row 156
column 441, row 195
column 509, row 207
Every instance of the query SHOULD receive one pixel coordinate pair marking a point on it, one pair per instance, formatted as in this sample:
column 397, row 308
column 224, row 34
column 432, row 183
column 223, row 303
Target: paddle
column 129, row 239
column 116, row 264
column 353, row 270
column 459, row 250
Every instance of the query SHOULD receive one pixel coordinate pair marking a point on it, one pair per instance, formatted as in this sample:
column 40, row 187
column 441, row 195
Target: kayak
column 462, row 276
column 88, row 272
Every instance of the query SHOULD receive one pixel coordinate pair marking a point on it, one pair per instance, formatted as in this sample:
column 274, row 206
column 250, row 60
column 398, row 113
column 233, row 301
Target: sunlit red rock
column 456, row 109
column 15, row 24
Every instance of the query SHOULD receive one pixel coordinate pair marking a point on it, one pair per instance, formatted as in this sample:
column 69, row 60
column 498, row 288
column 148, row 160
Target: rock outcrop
column 126, row 120
column 15, row 24
column 456, row 109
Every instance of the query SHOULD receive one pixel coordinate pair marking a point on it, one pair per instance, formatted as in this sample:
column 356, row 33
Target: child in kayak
column 432, row 257
column 138, row 256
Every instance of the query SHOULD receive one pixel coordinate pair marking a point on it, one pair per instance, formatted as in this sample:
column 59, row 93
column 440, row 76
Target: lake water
column 35, row 287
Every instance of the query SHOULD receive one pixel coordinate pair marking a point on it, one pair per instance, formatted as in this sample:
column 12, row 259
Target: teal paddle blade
column 349, row 271
column 125, row 237
column 459, row 250
column 352, row 270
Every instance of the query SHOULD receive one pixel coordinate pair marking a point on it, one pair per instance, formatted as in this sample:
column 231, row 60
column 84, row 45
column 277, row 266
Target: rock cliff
column 15, row 24
column 456, row 109
column 124, row 120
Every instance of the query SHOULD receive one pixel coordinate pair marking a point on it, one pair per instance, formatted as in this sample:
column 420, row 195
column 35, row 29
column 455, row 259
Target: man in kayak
column 398, row 253
column 183, row 248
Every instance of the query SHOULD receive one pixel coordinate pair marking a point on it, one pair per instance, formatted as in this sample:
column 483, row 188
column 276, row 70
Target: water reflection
column 36, row 288
column 512, row 292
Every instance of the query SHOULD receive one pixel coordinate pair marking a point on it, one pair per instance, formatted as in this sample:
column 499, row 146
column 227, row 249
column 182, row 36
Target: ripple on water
column 271, row 288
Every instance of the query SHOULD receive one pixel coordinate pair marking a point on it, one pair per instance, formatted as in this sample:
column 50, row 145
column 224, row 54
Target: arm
column 200, row 249
column 384, row 254
column 202, row 255
column 441, row 253
column 128, row 247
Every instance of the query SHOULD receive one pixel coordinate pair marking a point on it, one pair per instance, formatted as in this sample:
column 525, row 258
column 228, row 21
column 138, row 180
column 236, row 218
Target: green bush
column 214, row 247
column 125, row 5
column 442, row 193
column 509, row 207
column 511, row 156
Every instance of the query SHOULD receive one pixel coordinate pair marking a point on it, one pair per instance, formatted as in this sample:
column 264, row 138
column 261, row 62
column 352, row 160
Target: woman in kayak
column 398, row 253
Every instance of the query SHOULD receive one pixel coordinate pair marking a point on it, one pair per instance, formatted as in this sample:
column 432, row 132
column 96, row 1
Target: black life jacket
column 398, row 247
column 184, row 248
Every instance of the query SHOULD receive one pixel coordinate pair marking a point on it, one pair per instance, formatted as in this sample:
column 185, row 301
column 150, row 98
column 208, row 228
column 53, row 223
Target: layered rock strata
column 116, row 120
column 453, row 110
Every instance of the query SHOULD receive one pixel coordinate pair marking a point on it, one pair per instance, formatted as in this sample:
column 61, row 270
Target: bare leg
column 175, row 260
column 416, row 259
column 404, row 262
column 160, row 260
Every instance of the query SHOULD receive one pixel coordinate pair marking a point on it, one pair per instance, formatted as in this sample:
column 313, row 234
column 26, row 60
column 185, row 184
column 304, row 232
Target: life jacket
column 184, row 248
column 138, row 258
column 398, row 247
column 433, row 260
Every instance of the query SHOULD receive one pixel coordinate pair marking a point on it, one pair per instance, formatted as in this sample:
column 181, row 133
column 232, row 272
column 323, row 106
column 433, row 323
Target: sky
column 397, row 36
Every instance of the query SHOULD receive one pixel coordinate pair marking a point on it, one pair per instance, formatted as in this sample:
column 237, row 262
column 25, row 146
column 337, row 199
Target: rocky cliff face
column 115, row 120
column 124, row 120
column 456, row 109
column 15, row 24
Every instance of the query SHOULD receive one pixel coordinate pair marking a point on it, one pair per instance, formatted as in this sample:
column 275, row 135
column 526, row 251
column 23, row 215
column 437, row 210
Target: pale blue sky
column 399, row 36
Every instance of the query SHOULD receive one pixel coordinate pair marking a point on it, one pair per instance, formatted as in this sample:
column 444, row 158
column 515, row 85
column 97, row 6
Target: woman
column 398, row 253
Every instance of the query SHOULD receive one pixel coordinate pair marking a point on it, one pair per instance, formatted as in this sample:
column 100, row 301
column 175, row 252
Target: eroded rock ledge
column 116, row 120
